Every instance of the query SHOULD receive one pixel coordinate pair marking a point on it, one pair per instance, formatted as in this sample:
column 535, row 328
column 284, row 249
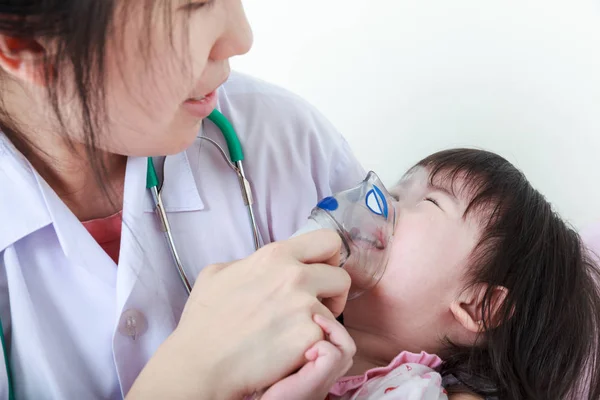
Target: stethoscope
column 236, row 156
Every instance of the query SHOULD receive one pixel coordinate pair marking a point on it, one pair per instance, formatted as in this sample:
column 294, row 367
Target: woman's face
column 430, row 252
column 163, row 67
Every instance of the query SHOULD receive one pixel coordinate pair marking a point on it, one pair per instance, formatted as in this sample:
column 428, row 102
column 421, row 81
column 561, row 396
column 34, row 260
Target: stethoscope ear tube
column 166, row 228
column 237, row 156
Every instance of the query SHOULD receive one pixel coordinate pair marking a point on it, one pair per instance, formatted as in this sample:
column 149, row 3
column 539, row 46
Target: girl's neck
column 372, row 351
column 376, row 349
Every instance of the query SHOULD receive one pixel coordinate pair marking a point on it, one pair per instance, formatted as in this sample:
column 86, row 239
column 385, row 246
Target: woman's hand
column 248, row 324
column 327, row 361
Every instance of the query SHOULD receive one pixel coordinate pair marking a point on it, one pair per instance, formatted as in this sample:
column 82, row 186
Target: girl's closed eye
column 432, row 200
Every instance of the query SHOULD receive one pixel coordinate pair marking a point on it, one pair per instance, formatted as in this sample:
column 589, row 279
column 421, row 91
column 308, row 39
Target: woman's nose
column 237, row 38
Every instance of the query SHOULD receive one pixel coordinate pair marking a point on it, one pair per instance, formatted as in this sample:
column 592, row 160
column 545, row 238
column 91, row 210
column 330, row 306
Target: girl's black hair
column 543, row 342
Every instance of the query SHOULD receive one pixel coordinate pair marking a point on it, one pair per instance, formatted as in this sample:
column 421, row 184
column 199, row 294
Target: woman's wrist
column 178, row 371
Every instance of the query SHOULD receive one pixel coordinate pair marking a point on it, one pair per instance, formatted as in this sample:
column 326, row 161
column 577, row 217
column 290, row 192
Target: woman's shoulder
column 243, row 88
column 281, row 131
column 261, row 110
column 293, row 155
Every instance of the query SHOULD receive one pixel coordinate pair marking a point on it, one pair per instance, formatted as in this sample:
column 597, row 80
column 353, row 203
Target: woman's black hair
column 77, row 33
column 543, row 342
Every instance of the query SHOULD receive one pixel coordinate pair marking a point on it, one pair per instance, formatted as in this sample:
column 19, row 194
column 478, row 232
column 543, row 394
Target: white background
column 404, row 78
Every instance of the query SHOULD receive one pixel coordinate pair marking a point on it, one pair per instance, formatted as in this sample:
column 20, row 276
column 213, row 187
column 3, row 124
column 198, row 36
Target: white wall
column 404, row 78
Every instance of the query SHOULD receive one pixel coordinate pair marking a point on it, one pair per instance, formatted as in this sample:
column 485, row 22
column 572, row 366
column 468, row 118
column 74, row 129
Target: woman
column 92, row 307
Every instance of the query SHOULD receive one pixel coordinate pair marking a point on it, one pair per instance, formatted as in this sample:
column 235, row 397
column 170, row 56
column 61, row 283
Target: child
column 487, row 294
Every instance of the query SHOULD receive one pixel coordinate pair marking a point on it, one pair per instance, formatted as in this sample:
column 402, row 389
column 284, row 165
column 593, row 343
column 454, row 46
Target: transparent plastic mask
column 365, row 219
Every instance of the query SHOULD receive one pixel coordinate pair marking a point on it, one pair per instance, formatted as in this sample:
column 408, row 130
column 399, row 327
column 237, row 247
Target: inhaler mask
column 365, row 219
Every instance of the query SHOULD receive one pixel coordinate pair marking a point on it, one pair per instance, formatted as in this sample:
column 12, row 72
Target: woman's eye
column 198, row 5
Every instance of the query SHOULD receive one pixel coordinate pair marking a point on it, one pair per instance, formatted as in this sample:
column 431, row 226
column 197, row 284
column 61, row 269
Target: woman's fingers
column 310, row 262
column 320, row 250
column 322, row 246
column 329, row 284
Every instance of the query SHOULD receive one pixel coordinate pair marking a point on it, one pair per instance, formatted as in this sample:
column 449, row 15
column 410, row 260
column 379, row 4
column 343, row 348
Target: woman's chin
column 177, row 147
column 158, row 148
column 174, row 144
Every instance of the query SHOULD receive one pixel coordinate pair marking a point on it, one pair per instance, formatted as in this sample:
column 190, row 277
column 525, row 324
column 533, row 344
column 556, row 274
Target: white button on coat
column 80, row 327
column 133, row 324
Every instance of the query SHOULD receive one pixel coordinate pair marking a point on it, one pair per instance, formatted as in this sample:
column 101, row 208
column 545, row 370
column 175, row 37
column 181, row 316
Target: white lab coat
column 65, row 306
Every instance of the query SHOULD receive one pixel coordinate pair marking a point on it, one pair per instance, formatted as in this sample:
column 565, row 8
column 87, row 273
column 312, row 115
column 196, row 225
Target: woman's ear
column 468, row 308
column 23, row 59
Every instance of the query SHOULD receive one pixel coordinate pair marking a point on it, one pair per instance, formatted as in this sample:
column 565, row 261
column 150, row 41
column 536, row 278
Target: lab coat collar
column 179, row 191
column 29, row 204
column 23, row 210
column 77, row 244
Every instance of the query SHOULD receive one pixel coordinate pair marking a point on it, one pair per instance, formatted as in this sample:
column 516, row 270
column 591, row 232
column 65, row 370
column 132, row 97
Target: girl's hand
column 327, row 361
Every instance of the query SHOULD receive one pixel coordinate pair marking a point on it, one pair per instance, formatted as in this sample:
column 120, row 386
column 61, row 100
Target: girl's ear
column 468, row 308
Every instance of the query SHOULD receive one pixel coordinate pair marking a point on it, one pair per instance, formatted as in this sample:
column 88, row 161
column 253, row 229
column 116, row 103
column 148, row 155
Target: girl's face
column 162, row 59
column 433, row 241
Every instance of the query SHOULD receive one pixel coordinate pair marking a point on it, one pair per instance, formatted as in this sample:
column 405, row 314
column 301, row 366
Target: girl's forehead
column 418, row 183
column 418, row 173
column 456, row 184
column 420, row 180
column 415, row 179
